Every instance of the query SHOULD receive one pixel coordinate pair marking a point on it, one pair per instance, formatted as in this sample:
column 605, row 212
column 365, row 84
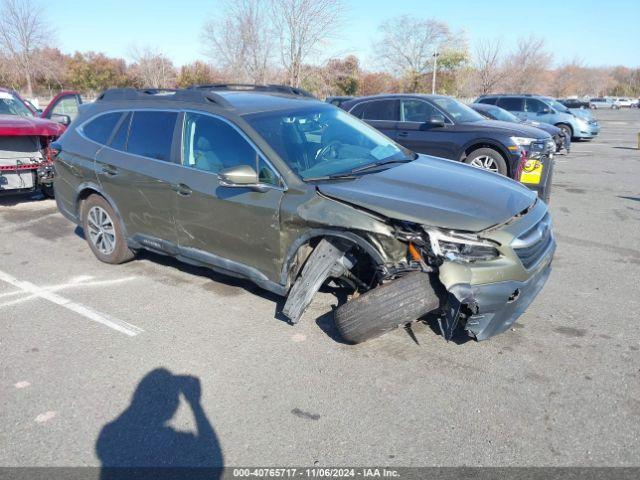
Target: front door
column 416, row 133
column 233, row 226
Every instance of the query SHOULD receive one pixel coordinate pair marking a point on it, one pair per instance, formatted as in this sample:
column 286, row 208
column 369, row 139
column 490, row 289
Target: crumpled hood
column 436, row 192
column 510, row 128
column 15, row 125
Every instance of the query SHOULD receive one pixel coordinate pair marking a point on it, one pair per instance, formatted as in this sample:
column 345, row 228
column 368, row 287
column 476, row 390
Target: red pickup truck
column 25, row 138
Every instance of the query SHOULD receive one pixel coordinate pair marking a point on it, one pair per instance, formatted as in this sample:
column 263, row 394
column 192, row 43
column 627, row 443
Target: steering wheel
column 329, row 151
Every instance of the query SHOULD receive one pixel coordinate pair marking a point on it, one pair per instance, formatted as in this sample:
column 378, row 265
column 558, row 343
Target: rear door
column 415, row 133
column 383, row 115
column 232, row 226
column 138, row 169
column 514, row 105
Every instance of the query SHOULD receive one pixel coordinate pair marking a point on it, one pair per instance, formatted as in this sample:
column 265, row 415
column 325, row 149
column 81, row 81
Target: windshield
column 456, row 110
column 10, row 105
column 325, row 141
column 558, row 106
column 501, row 114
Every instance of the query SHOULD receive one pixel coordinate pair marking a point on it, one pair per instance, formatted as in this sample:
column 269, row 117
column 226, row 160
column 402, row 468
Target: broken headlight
column 463, row 247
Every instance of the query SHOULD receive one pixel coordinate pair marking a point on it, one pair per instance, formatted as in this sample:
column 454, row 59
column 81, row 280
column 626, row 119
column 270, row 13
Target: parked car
column 544, row 110
column 575, row 103
column 624, row 102
column 442, row 126
column 604, row 103
column 493, row 112
column 338, row 101
column 293, row 193
column 25, row 153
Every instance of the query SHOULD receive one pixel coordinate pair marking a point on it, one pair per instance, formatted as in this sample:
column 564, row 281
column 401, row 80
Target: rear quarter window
column 151, row 134
column 99, row 129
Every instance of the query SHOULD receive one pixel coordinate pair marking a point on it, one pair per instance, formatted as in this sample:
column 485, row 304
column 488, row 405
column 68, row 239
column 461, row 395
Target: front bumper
column 590, row 131
column 483, row 303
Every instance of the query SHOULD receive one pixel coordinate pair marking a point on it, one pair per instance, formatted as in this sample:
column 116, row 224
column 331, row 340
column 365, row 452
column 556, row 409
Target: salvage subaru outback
column 268, row 184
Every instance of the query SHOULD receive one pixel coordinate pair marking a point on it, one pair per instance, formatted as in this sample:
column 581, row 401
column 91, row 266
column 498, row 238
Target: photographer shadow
column 140, row 444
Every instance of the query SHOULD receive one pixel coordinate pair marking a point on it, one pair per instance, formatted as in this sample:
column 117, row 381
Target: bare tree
column 303, row 26
column 23, row 30
column 407, row 45
column 152, row 67
column 488, row 62
column 241, row 40
column 527, row 67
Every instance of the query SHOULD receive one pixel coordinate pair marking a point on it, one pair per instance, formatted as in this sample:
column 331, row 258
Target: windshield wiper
column 379, row 164
column 330, row 177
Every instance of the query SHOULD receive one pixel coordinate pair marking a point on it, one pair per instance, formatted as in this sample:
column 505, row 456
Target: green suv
column 268, row 184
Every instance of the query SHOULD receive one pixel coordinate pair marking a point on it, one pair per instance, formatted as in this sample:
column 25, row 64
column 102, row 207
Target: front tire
column 566, row 129
column 103, row 231
column 47, row 190
column 386, row 307
column 487, row 159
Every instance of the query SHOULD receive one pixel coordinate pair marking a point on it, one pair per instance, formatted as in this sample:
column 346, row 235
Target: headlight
column 522, row 141
column 461, row 247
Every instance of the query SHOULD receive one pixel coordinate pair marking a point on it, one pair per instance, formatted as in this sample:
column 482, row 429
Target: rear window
column 99, row 129
column 512, row 104
column 151, row 134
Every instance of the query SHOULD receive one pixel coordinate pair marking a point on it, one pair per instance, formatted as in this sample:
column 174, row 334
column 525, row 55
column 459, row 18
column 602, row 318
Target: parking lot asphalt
column 77, row 338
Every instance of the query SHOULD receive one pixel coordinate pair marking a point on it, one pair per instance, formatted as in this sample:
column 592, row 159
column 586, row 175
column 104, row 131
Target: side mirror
column 63, row 119
column 239, row 176
column 436, row 120
column 545, row 110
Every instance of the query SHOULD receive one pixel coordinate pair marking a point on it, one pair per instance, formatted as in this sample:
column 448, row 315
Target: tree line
column 285, row 41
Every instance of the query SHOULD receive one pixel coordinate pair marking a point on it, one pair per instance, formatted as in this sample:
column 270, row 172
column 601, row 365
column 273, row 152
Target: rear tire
column 386, row 307
column 103, row 231
column 487, row 159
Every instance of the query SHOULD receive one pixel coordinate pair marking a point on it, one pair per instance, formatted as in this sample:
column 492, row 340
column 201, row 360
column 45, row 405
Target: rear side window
column 378, row 110
column 512, row 104
column 99, row 129
column 488, row 100
column 151, row 134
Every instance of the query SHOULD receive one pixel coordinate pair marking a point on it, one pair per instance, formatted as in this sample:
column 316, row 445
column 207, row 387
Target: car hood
column 547, row 127
column 436, row 192
column 508, row 128
column 15, row 125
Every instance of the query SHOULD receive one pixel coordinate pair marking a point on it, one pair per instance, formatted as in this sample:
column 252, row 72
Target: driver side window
column 212, row 145
column 416, row 111
column 534, row 105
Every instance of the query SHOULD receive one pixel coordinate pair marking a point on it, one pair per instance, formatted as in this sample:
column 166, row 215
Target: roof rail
column 184, row 95
column 501, row 94
column 286, row 89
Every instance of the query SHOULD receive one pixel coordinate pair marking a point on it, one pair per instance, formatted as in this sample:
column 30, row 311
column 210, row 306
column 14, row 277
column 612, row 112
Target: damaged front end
column 26, row 164
column 478, row 282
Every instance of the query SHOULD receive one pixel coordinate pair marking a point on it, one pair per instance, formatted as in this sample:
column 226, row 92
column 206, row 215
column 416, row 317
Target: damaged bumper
column 490, row 309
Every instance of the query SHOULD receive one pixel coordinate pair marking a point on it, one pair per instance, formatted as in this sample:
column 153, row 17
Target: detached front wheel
column 386, row 307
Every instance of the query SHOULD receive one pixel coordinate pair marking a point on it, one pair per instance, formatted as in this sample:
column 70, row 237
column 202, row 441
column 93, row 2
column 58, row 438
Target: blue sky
column 597, row 32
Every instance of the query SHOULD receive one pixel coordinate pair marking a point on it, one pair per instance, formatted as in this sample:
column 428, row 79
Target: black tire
column 566, row 129
column 47, row 190
column 121, row 252
column 500, row 162
column 386, row 307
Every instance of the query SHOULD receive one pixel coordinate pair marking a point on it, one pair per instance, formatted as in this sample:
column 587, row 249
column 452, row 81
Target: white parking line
column 87, row 312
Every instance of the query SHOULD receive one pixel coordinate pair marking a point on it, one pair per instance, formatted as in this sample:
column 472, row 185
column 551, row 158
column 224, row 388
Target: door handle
column 182, row 189
column 109, row 170
column 403, row 134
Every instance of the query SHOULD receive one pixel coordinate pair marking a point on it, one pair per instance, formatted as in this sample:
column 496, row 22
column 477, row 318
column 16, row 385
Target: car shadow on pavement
column 139, row 443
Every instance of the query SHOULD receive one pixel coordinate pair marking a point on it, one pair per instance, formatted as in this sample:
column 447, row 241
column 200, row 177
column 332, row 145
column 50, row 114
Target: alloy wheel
column 101, row 230
column 485, row 162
